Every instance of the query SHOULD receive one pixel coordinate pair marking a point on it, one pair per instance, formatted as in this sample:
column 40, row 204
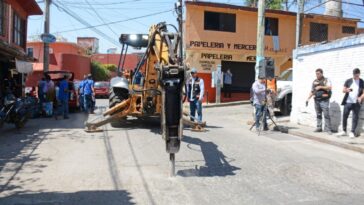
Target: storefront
column 223, row 34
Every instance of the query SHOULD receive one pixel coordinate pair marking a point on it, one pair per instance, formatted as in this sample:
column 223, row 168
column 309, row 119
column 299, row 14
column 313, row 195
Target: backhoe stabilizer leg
column 93, row 126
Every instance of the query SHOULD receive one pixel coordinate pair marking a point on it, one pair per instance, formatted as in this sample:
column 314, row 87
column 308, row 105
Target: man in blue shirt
column 63, row 97
column 89, row 93
column 195, row 94
column 80, row 93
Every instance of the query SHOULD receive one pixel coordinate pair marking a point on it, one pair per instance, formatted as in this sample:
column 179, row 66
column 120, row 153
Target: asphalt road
column 56, row 162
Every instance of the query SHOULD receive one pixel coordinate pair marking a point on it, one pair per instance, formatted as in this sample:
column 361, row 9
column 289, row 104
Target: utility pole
column 46, row 32
column 299, row 20
column 260, row 35
column 179, row 10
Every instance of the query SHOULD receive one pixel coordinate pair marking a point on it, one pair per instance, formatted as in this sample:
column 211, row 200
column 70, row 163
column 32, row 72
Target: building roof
column 324, row 46
column 31, row 7
column 253, row 9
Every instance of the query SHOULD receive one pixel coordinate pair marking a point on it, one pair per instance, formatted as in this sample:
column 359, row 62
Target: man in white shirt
column 353, row 89
column 259, row 94
column 195, row 94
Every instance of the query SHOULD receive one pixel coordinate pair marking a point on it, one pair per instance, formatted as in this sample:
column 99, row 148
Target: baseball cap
column 193, row 70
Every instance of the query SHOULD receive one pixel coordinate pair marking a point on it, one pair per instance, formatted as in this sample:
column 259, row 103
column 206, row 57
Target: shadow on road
column 18, row 147
column 216, row 163
column 77, row 198
column 153, row 124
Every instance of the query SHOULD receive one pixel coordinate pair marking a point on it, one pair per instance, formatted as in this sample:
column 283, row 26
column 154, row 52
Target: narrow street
column 56, row 162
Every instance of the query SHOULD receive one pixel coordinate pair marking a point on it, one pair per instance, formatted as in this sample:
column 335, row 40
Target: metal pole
column 126, row 53
column 180, row 24
column 46, row 31
column 260, row 35
column 121, row 56
column 299, row 22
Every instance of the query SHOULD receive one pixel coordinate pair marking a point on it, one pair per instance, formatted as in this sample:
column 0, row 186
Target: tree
column 275, row 4
column 270, row 4
column 99, row 72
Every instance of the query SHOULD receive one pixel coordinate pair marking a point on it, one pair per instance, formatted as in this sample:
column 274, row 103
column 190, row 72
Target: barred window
column 216, row 21
column 318, row 32
column 348, row 29
column 18, row 30
column 271, row 26
column 2, row 17
column 30, row 52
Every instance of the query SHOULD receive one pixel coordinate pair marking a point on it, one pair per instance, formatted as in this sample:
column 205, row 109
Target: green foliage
column 270, row 4
column 110, row 67
column 99, row 72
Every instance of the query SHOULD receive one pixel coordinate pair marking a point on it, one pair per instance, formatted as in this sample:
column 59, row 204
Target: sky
column 100, row 12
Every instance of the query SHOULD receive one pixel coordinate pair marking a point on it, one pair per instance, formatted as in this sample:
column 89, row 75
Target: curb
column 226, row 104
column 327, row 141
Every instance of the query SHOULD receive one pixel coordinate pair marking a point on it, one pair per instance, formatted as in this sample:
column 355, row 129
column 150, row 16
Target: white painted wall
column 337, row 59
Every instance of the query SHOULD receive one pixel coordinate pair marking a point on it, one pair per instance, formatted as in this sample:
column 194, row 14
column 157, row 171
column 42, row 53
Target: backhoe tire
column 114, row 100
column 286, row 105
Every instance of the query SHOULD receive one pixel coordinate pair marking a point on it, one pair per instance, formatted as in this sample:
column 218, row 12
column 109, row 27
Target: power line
column 115, row 22
column 79, row 19
column 102, row 4
column 98, row 15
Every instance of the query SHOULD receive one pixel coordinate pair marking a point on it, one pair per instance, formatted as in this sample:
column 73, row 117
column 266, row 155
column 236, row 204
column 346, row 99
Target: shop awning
column 23, row 66
column 10, row 53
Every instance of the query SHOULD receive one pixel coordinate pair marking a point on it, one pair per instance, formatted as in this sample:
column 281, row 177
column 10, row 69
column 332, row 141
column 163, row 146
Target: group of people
column 53, row 96
column 321, row 91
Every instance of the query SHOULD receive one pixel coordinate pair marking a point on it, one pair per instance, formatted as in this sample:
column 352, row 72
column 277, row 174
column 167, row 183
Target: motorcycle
column 15, row 111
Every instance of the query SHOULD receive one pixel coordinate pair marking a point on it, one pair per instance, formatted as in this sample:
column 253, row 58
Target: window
column 318, row 32
column 271, row 26
column 30, row 52
column 215, row 21
column 2, row 17
column 18, row 30
column 348, row 29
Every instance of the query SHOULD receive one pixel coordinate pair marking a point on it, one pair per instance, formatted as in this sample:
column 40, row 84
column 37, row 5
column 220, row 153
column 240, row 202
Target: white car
column 284, row 92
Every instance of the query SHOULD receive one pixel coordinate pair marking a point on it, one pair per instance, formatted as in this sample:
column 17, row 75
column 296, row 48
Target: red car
column 57, row 76
column 102, row 89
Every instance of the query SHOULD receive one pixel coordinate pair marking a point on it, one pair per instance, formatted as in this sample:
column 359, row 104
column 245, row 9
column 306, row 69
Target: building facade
column 337, row 59
column 62, row 56
column 90, row 44
column 131, row 60
column 13, row 34
column 222, row 34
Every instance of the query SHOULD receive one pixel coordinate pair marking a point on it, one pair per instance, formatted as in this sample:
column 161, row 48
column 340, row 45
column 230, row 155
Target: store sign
column 236, row 46
column 48, row 38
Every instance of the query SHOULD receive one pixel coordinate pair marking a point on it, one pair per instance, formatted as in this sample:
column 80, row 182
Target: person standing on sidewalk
column 321, row 91
column 353, row 89
column 195, row 93
column 259, row 102
column 89, row 94
column 81, row 98
column 228, row 80
column 63, row 98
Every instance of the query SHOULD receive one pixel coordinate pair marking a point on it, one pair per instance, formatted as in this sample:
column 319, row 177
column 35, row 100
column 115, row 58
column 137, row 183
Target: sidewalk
column 356, row 144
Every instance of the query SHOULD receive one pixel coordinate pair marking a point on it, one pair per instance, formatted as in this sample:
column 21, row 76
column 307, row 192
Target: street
column 56, row 162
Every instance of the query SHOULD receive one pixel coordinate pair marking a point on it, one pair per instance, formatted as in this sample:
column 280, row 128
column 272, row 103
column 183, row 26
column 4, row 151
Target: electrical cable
column 98, row 15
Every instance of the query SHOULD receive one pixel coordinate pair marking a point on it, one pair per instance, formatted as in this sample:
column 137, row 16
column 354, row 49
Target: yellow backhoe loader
column 155, row 88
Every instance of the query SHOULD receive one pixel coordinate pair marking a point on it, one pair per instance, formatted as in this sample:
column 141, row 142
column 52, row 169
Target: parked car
column 284, row 92
column 102, row 89
column 57, row 76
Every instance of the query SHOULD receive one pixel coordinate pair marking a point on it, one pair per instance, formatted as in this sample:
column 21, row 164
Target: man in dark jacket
column 353, row 89
column 321, row 91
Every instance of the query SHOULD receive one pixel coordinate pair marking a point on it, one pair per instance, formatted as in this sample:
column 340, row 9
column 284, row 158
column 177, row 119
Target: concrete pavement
column 55, row 162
